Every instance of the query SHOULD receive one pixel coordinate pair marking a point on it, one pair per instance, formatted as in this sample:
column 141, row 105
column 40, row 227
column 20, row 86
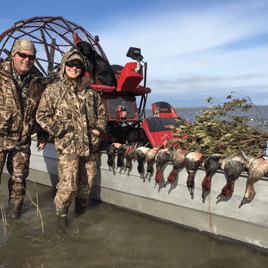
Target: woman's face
column 73, row 70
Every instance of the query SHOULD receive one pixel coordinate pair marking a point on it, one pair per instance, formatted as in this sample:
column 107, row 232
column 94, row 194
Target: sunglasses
column 24, row 56
column 77, row 65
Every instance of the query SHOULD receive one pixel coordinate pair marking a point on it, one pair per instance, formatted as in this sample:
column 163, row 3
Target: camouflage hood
column 70, row 55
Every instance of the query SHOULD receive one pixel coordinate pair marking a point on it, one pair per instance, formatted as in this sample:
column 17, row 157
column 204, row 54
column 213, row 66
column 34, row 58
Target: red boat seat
column 163, row 109
column 129, row 79
column 156, row 128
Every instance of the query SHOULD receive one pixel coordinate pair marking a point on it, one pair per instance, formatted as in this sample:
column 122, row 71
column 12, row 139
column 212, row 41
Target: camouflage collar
column 5, row 68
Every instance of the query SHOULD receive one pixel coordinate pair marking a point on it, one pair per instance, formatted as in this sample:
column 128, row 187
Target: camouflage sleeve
column 46, row 110
column 101, row 114
column 41, row 133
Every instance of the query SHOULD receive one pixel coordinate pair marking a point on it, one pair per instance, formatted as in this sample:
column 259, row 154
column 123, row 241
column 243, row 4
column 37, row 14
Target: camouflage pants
column 76, row 178
column 18, row 156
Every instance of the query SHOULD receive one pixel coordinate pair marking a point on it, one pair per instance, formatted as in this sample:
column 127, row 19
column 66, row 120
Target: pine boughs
column 216, row 130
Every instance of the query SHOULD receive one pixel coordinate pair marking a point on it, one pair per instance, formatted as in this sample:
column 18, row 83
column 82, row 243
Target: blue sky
column 194, row 49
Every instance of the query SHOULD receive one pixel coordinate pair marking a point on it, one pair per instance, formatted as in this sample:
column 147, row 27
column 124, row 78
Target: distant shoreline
column 193, row 107
column 205, row 107
column 202, row 107
column 190, row 107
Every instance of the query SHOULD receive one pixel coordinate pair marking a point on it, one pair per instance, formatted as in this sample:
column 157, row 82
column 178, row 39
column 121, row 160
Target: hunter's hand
column 41, row 144
column 95, row 131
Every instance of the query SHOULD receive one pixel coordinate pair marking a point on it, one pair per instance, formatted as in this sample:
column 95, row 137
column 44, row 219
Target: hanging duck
column 140, row 155
column 257, row 168
column 211, row 164
column 161, row 159
column 121, row 156
column 129, row 155
column 232, row 166
column 192, row 161
column 178, row 158
column 150, row 159
column 111, row 153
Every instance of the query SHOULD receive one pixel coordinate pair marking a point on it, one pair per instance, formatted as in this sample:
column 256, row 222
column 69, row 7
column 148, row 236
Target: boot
column 15, row 214
column 80, row 205
column 62, row 216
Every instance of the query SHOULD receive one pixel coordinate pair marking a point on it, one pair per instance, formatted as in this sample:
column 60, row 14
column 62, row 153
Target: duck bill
column 219, row 196
column 166, row 183
column 243, row 201
column 191, row 190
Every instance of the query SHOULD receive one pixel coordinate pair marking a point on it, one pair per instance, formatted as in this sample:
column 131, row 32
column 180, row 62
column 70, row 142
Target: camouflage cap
column 23, row 44
column 76, row 56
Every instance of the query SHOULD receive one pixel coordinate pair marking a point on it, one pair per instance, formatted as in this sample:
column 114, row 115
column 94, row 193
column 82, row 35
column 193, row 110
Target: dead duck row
column 232, row 166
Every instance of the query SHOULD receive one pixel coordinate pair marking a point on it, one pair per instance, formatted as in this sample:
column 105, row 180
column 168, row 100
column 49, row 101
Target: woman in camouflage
column 74, row 114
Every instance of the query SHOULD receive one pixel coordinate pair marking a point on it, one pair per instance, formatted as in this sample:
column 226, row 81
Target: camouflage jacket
column 77, row 110
column 16, row 122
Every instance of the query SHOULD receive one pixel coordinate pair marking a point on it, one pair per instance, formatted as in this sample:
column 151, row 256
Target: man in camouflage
column 21, row 86
column 74, row 114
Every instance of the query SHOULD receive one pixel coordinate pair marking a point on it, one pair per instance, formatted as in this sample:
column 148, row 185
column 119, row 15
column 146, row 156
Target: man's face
column 21, row 63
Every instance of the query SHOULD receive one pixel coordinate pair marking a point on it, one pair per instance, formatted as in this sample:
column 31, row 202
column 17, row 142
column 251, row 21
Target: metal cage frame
column 43, row 32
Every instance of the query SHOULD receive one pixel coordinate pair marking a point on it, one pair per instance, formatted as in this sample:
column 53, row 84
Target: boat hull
column 223, row 217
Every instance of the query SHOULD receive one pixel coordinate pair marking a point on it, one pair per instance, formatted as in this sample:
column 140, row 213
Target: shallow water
column 108, row 236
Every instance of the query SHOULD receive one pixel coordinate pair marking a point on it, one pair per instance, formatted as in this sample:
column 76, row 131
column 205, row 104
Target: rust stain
column 210, row 217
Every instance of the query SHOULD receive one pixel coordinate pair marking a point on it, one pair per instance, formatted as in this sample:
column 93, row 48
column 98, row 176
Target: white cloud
column 182, row 46
column 169, row 35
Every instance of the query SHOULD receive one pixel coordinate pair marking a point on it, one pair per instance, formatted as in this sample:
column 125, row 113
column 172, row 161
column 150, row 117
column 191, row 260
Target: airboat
column 127, row 122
